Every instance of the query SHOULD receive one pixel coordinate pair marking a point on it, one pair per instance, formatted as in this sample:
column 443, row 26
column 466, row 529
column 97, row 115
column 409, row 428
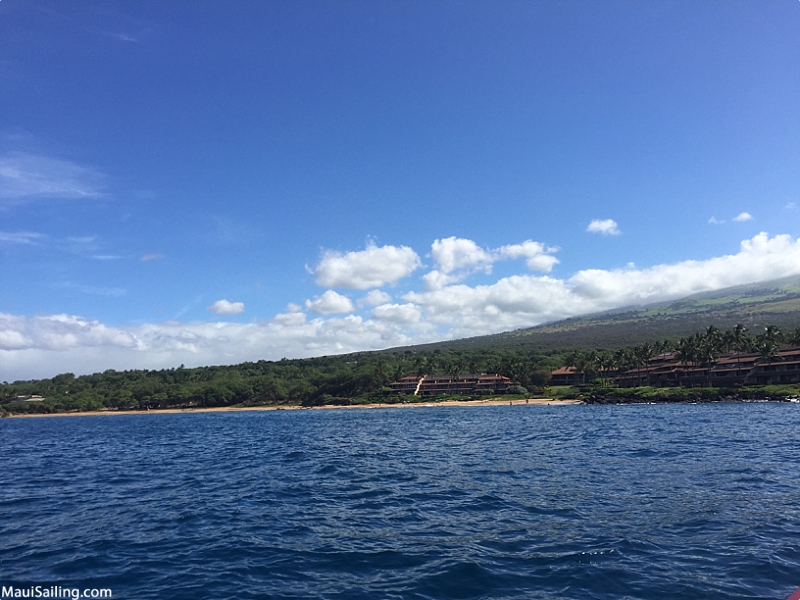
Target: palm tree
column 643, row 354
column 575, row 359
column 794, row 337
column 768, row 349
column 740, row 343
column 601, row 362
column 773, row 334
column 714, row 339
column 587, row 363
column 687, row 353
column 621, row 360
column 708, row 351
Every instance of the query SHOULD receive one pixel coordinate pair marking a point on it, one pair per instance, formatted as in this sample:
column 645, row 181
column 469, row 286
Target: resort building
column 437, row 385
column 567, row 376
column 667, row 370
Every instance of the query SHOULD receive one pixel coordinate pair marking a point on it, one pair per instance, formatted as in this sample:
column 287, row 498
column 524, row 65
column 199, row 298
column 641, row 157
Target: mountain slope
column 774, row 302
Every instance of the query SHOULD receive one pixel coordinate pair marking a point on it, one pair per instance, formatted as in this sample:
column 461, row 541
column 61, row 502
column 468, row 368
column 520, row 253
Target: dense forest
column 361, row 377
column 309, row 382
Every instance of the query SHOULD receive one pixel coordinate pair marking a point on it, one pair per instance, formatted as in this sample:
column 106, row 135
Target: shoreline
column 217, row 409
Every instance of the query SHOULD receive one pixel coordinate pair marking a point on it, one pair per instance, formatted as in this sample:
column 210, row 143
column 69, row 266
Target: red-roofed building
column 435, row 385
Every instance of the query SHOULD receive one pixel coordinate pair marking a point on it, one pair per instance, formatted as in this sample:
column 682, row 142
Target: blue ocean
column 505, row 502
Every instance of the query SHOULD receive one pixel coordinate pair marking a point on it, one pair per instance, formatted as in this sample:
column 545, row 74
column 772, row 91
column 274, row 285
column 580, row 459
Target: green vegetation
column 595, row 344
column 339, row 380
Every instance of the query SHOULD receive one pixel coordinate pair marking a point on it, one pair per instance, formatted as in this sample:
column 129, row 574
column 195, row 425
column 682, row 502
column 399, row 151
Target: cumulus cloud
column 742, row 217
column 436, row 280
column 455, row 253
column 375, row 298
column 398, row 313
column 41, row 346
column 25, row 177
column 604, row 227
column 457, row 258
column 59, row 332
column 525, row 300
column 330, row 303
column 370, row 268
column 539, row 257
column 225, row 307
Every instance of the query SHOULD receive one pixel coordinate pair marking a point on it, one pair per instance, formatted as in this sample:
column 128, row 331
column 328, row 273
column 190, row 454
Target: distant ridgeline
column 755, row 306
column 525, row 357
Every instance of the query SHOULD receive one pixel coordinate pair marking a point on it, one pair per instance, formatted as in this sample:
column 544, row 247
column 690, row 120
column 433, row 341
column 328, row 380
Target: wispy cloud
column 604, row 227
column 742, row 217
column 21, row 237
column 123, row 37
column 91, row 289
column 154, row 256
column 715, row 221
column 25, row 177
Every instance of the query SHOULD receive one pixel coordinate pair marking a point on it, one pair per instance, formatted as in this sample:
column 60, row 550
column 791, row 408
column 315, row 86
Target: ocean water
column 571, row 502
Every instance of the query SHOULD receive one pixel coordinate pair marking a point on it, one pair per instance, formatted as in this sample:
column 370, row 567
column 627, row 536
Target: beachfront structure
column 438, row 385
column 567, row 376
column 668, row 370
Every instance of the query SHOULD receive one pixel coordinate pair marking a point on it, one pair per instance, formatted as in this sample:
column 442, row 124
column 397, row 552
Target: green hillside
column 526, row 356
column 774, row 302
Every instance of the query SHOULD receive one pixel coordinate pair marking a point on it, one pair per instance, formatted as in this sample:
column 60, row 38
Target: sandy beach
column 487, row 402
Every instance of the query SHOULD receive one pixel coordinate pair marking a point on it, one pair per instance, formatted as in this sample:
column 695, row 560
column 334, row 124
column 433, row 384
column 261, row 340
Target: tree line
column 315, row 381
column 699, row 349
column 361, row 376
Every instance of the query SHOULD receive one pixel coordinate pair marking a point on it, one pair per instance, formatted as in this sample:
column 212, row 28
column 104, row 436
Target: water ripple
column 644, row 502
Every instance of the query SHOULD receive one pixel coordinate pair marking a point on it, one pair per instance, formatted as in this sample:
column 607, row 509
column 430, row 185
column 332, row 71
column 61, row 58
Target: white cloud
column 436, row 280
column 374, row 267
column 21, row 237
column 791, row 206
column 455, row 253
column 59, row 332
column 375, row 298
column 28, row 176
column 742, row 217
column 457, row 258
column 41, row 346
column 330, row 303
column 715, row 221
column 91, row 289
column 225, row 307
column 524, row 300
column 539, row 257
column 397, row 313
column 604, row 227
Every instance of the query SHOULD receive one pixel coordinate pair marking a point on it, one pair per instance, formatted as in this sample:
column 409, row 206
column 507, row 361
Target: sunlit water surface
column 575, row 502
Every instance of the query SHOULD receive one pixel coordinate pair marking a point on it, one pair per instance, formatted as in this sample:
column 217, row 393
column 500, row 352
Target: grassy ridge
column 755, row 306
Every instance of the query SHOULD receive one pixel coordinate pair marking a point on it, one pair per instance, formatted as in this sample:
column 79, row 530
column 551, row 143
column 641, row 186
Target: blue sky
column 214, row 182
